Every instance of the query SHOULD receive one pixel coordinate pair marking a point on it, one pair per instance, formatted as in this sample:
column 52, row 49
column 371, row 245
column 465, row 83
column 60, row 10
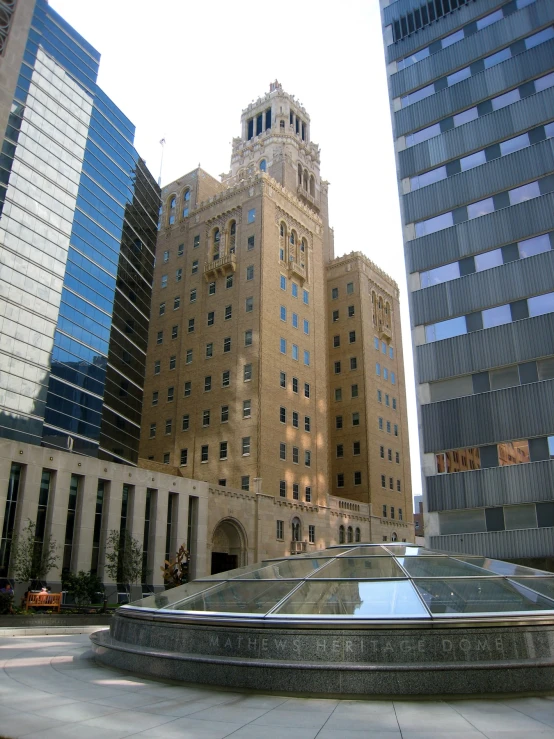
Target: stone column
column 27, row 499
column 57, row 520
column 201, row 564
column 5, row 470
column 135, row 526
column 158, row 527
column 84, row 524
column 111, row 520
column 180, row 521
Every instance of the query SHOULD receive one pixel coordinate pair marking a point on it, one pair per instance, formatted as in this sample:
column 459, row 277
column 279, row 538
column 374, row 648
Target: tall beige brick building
column 242, row 385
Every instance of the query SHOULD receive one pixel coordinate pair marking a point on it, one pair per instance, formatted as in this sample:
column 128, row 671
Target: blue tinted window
column 294, row 351
column 541, row 304
column 496, row 316
column 295, row 320
column 473, row 160
column 306, row 297
column 393, row 379
column 294, row 289
column 525, row 192
column 385, row 373
column 391, row 352
column 283, row 313
column 481, row 208
column 376, row 343
column 536, row 245
column 283, row 346
column 307, row 358
column 497, row 58
column 251, row 215
column 306, row 326
column 378, row 369
column 445, row 329
column 440, row 274
column 431, row 225
column 283, row 281
column 488, row 260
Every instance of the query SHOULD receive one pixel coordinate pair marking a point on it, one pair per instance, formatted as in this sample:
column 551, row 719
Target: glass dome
column 389, row 582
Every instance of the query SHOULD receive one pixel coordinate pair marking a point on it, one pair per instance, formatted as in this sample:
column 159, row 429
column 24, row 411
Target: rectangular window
column 224, row 413
column 226, row 378
column 305, row 297
column 283, row 313
column 184, row 457
column 247, row 374
column 283, row 345
column 228, row 282
column 354, row 391
column 251, row 215
column 211, row 318
column 356, row 448
column 179, row 274
column 188, row 356
column 392, row 378
column 283, row 282
column 385, row 373
column 384, row 485
column 195, row 267
column 166, row 256
column 379, row 396
column 280, row 532
column 162, row 309
column 340, row 451
column 282, row 492
column 349, row 288
column 398, row 485
column 222, row 450
column 334, row 293
column 282, row 414
column 340, row 479
column 250, row 272
column 204, row 453
column 394, row 404
column 378, row 369
column 295, row 491
column 311, row 533
column 387, row 400
column 207, row 383
column 397, row 457
column 227, row 344
column 306, row 389
column 250, row 243
column 350, row 311
column 245, row 445
column 355, row 419
column 353, row 363
column 196, row 242
column 249, row 304
column 248, row 338
column 166, row 458
column 352, row 337
column 337, row 368
column 188, row 388
column 380, row 424
column 391, row 487
column 307, row 458
column 388, row 427
column 164, row 280
column 338, row 422
column 392, row 511
column 155, row 398
column 295, row 454
column 306, row 358
column 295, row 419
column 400, row 514
column 152, row 430
column 228, row 312
column 185, row 425
column 246, row 408
column 295, row 352
column 338, row 394
column 295, row 384
column 335, row 316
column 357, row 478
column 395, row 429
column 191, row 325
column 168, row 425
column 209, row 350
column 211, row 288
column 160, row 337
column 176, row 302
column 382, row 452
column 294, row 289
column 307, row 423
column 170, row 394
column 389, row 454
column 174, row 332
column 180, row 250
column 282, row 450
column 336, row 341
column 282, row 379
column 205, row 418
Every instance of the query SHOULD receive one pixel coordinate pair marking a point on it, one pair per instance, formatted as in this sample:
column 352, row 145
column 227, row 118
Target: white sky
column 184, row 71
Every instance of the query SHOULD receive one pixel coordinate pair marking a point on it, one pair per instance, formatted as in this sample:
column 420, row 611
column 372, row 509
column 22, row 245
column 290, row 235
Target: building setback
column 471, row 88
column 78, row 215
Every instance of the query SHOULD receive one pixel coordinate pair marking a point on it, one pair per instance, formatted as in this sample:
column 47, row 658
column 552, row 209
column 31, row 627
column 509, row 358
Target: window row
column 385, row 374
column 496, row 379
column 391, row 484
column 357, row 478
column 219, row 247
column 389, row 454
column 295, row 454
column 337, row 366
column 385, row 348
column 180, row 249
column 468, row 30
column 294, row 289
column 354, row 392
column 483, row 108
column 387, row 424
column 501, row 518
column 295, row 421
column 172, row 207
column 488, row 260
column 517, row 195
column 291, row 247
column 387, row 400
column 295, row 321
column 351, row 313
column 349, row 290
column 479, row 66
column 392, row 514
column 355, row 420
column 176, row 305
column 351, row 339
column 280, row 532
column 348, row 535
column 496, row 151
column 294, row 351
column 427, row 13
column 294, row 385
column 501, row 314
column 295, row 487
column 225, row 375
column 356, row 449
column 505, row 454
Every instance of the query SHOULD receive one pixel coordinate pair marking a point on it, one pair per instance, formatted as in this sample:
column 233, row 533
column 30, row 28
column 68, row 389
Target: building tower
column 236, row 387
column 78, row 212
column 472, row 97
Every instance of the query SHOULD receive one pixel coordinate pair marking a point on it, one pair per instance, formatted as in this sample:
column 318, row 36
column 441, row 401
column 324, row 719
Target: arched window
column 186, row 201
column 341, row 534
column 292, row 246
column 172, row 203
column 186, row 196
column 312, row 186
column 380, row 303
column 263, row 165
column 296, row 531
column 394, row 536
column 350, row 535
column 358, row 535
column 306, row 180
column 282, row 240
column 299, row 175
column 216, row 240
column 232, row 237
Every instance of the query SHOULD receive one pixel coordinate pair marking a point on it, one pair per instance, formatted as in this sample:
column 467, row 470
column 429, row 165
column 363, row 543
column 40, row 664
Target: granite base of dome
column 369, row 661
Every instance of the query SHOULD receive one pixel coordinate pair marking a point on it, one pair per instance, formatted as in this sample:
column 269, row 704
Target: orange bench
column 44, row 600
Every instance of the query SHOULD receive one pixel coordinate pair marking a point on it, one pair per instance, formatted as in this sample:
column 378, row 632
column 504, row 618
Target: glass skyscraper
column 78, row 224
column 471, row 86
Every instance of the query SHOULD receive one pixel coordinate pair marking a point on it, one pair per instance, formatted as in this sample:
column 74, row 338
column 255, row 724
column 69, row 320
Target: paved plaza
column 50, row 686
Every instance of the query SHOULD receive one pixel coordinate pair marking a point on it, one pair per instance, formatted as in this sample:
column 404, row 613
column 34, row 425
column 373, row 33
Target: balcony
column 306, row 197
column 225, row 265
column 385, row 332
column 298, row 547
column 298, row 271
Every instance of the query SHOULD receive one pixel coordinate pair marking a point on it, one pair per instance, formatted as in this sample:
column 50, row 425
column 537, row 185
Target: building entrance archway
column 228, row 546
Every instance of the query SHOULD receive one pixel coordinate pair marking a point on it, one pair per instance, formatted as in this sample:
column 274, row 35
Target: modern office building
column 471, row 87
column 78, row 223
column 256, row 328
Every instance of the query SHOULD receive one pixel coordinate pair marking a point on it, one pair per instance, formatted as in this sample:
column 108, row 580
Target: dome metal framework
column 360, row 583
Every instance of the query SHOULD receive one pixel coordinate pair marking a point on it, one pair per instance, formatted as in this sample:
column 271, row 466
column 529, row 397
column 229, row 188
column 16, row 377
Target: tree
column 123, row 558
column 84, row 586
column 32, row 559
column 176, row 572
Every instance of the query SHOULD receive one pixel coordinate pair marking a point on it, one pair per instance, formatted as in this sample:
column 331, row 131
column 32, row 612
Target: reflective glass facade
column 77, row 234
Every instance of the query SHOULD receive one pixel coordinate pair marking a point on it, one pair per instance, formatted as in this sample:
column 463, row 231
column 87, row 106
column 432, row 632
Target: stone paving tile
column 294, row 719
column 132, row 721
column 126, row 700
column 76, row 711
column 191, row 729
column 507, row 734
column 276, row 732
column 537, row 708
column 444, row 733
column 231, row 714
column 431, row 716
column 314, row 704
column 363, row 708
column 326, row 733
column 71, row 731
column 15, row 725
column 492, row 716
column 375, row 721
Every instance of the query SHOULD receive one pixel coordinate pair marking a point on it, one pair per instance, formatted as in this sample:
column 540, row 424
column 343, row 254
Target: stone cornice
column 354, row 256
